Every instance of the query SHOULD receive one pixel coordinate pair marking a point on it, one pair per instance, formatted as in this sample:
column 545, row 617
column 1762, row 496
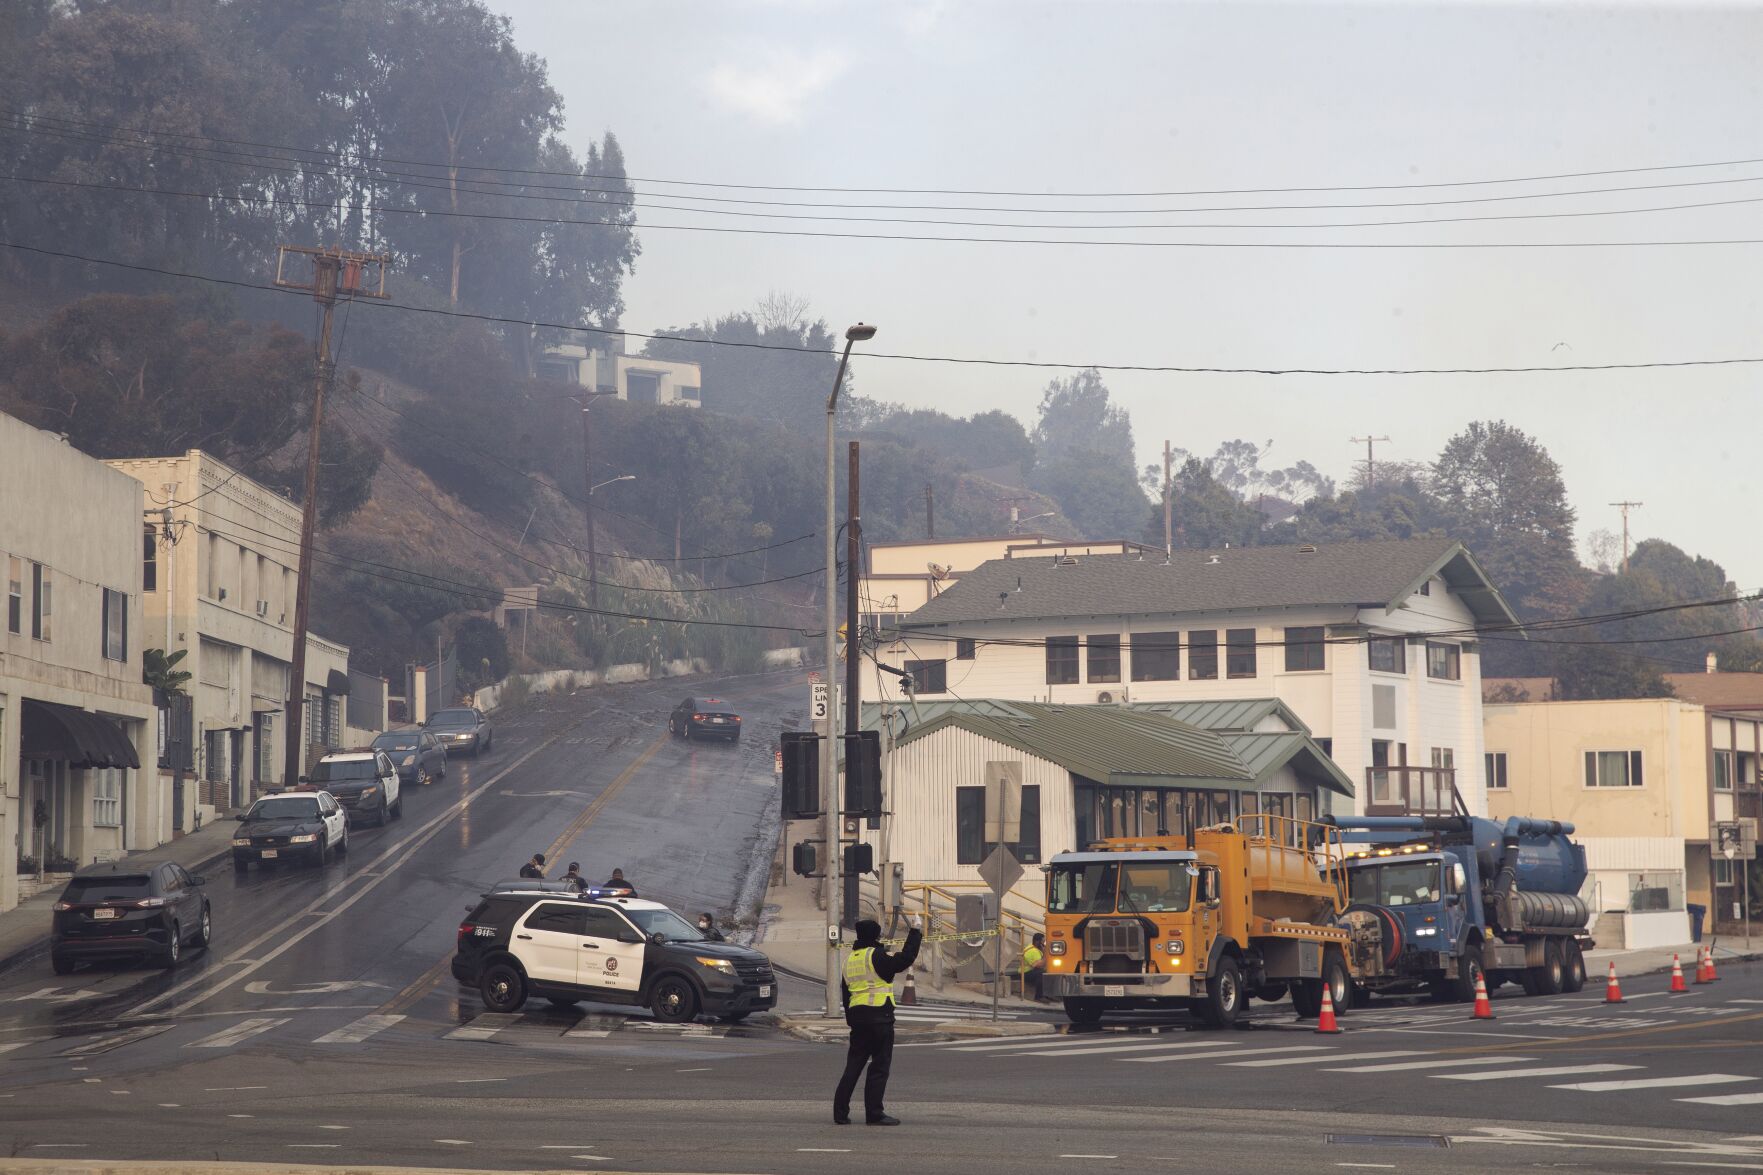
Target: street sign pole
column 1000, row 871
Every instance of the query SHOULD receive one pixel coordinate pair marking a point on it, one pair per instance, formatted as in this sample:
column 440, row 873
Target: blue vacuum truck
column 1437, row 901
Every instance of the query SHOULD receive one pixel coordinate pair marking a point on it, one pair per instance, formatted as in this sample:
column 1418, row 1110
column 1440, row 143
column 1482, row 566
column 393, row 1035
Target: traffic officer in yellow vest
column 868, row 992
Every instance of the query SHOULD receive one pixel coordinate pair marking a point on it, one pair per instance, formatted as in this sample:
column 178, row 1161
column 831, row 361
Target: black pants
column 1035, row 975
column 872, row 1045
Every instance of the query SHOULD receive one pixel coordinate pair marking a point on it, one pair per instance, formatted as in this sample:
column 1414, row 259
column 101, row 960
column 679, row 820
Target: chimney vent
column 1213, row 560
column 1713, row 662
column 1307, row 549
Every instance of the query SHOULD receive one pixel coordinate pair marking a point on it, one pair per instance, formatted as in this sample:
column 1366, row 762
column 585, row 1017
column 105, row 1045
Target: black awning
column 48, row 730
column 337, row 683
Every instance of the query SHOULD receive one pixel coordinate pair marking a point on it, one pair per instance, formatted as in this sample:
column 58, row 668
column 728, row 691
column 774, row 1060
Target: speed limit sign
column 820, row 701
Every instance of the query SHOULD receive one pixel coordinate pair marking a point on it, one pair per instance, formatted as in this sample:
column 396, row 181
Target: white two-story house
column 1374, row 646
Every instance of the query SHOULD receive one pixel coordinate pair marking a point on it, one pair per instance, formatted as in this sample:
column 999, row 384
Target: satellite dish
column 938, row 571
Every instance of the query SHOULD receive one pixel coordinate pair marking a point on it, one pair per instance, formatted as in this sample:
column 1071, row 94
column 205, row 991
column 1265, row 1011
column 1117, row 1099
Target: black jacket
column 887, row 966
column 530, row 870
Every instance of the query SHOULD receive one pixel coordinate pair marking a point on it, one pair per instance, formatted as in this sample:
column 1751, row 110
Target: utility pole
column 1168, row 504
column 337, row 274
column 853, row 557
column 1370, row 459
column 588, row 500
column 1625, row 507
column 930, row 512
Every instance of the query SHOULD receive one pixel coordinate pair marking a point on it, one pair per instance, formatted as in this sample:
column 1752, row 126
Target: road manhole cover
column 1427, row 1140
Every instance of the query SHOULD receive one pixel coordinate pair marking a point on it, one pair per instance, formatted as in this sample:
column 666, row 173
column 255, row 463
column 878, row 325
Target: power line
column 572, row 194
column 826, row 234
column 914, row 358
column 1072, row 195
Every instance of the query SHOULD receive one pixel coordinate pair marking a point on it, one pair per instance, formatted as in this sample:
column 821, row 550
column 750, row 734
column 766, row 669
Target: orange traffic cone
column 1703, row 960
column 1677, row 984
column 1325, row 1021
column 1612, row 989
column 909, row 995
column 1713, row 976
column 1483, row 1009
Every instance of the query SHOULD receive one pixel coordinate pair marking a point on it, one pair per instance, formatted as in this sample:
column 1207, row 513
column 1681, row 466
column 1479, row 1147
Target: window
column 1613, row 769
column 149, row 560
column 1028, row 848
column 1156, row 656
column 1104, row 657
column 1203, row 655
column 929, row 677
column 1388, row 654
column 603, row 924
column 1444, row 758
column 14, row 594
column 1723, row 872
column 970, row 825
column 1061, row 660
column 965, row 647
column 1383, row 706
column 1443, row 661
column 1723, row 772
column 1325, row 745
column 1239, row 656
column 1304, row 648
column 556, row 919
column 107, row 797
column 42, row 601
column 1495, row 762
column 116, row 626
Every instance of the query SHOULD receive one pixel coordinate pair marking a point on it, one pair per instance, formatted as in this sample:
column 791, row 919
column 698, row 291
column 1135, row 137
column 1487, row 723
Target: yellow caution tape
column 955, row 936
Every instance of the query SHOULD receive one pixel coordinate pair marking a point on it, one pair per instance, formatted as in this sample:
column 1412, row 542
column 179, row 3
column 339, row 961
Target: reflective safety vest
column 1031, row 958
column 868, row 988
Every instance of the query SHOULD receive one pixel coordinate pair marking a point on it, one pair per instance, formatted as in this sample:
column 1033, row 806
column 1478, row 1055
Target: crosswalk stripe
column 594, row 1025
column 359, row 1030
column 483, row 1026
column 1208, row 1045
column 1090, row 1040
column 1654, row 1082
column 243, row 1030
column 1550, row 1071
column 1291, row 1048
column 1728, row 1099
column 1318, row 1060
column 105, row 1043
column 1401, row 1066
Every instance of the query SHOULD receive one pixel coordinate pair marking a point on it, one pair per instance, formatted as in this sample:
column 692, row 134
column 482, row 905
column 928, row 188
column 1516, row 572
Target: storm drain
column 1423, row 1140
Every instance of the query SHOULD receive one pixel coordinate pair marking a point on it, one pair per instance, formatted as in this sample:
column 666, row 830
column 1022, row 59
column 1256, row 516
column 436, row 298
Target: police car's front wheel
column 674, row 1000
column 503, row 987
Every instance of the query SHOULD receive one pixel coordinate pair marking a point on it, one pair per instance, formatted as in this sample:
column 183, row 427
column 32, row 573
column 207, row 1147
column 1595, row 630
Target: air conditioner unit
column 221, row 595
column 1109, row 697
column 263, row 607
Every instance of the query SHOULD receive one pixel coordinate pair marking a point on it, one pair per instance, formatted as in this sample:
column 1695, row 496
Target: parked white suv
column 364, row 782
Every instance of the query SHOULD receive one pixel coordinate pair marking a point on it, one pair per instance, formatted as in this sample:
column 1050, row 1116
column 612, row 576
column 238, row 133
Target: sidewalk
column 1651, row 960
column 24, row 929
column 793, row 934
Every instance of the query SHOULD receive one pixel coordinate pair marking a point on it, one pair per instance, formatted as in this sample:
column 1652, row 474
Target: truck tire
column 1574, row 980
column 1469, row 969
column 1307, row 993
column 1083, row 1011
column 1224, row 994
column 1551, row 977
column 1271, row 992
column 1307, row 998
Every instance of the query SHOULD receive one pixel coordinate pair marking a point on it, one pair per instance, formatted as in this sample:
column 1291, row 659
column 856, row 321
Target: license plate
column 1114, row 989
column 719, row 721
column 764, row 991
column 104, row 914
column 269, row 854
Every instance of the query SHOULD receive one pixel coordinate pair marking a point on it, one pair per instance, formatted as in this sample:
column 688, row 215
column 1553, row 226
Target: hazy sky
column 1102, row 97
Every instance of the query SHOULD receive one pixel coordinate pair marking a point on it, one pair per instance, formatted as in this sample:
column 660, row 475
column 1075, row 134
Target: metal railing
column 1295, row 855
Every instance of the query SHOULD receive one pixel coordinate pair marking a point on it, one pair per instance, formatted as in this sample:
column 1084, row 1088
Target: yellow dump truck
column 1203, row 922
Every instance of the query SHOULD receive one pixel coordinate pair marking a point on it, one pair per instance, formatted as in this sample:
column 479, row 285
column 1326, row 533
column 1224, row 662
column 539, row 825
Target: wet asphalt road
column 590, row 777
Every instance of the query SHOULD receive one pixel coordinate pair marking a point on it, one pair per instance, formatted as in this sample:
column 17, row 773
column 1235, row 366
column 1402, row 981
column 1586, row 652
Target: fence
column 441, row 687
column 367, row 701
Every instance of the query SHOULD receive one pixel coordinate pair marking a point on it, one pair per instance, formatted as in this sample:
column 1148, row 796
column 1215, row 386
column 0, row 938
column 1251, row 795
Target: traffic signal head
column 802, row 860
column 859, row 859
column 801, row 781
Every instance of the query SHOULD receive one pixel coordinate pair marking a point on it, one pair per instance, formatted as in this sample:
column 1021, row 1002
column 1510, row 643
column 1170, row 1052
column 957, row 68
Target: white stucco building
column 76, row 722
column 219, row 558
column 1374, row 646
column 637, row 378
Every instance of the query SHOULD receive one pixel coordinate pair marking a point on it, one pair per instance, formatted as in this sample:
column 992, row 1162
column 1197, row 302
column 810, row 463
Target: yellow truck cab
column 1205, row 922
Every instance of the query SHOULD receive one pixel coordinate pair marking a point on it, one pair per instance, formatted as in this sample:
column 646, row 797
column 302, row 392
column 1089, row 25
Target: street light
column 829, row 762
column 609, row 481
column 1032, row 518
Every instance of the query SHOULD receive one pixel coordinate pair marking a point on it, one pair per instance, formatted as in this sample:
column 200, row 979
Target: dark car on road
column 364, row 783
column 462, row 730
column 122, row 909
column 301, row 826
column 417, row 754
column 517, row 943
column 704, row 718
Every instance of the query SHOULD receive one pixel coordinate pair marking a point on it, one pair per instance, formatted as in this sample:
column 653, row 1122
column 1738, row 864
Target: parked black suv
column 518, row 942
column 120, row 909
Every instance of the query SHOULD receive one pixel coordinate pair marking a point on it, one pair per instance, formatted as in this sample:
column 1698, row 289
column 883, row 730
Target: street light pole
column 829, row 760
